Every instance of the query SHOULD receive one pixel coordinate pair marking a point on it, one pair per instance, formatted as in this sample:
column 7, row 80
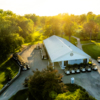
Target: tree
column 82, row 18
column 45, row 84
column 26, row 26
column 91, row 28
column 77, row 95
column 52, row 27
column 68, row 28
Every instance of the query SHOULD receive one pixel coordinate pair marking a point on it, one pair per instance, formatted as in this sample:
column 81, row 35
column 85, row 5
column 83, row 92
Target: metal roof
column 59, row 49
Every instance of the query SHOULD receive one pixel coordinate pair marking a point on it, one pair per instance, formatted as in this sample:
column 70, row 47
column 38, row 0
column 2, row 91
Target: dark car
column 15, row 56
column 88, row 68
column 27, row 66
column 26, row 82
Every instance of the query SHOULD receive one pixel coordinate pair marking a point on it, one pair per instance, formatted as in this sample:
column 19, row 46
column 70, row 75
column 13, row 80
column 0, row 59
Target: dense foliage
column 77, row 95
column 16, row 29
column 45, row 84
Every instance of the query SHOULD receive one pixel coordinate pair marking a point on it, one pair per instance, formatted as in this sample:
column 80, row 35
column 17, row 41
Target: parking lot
column 88, row 80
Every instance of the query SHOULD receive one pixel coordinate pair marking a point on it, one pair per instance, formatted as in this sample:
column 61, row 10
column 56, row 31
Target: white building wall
column 78, row 61
column 71, row 62
column 87, row 60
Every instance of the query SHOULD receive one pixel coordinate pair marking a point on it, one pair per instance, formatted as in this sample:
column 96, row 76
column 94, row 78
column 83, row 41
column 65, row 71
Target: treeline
column 85, row 26
column 16, row 29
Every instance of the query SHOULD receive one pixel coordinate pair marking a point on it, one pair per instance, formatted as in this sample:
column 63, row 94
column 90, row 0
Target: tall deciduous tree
column 68, row 28
column 45, row 85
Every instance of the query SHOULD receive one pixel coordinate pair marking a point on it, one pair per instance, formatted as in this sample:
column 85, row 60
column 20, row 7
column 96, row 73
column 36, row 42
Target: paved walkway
column 78, row 42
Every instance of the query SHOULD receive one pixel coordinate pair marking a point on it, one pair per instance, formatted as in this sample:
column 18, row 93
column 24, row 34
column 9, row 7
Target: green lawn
column 84, row 42
column 7, row 68
column 92, row 49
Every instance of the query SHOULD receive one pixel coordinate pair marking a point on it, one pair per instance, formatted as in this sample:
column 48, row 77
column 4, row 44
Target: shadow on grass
column 74, row 87
column 20, row 95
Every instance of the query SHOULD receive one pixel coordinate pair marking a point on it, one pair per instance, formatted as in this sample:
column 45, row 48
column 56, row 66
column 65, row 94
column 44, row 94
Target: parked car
column 14, row 56
column 23, row 67
column 72, row 70
column 83, row 69
column 88, row 68
column 27, row 66
column 98, row 59
column 94, row 67
column 77, row 70
column 67, row 71
column 26, row 82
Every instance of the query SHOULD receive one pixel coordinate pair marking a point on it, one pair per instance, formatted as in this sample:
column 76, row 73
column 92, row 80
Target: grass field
column 92, row 49
column 84, row 42
column 7, row 68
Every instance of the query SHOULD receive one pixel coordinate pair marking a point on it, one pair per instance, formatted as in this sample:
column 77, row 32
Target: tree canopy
column 46, row 83
column 86, row 26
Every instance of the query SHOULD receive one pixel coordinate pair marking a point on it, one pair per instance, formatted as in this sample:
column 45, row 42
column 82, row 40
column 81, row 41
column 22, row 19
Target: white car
column 72, row 71
column 98, row 59
column 82, row 69
column 94, row 67
column 67, row 71
column 77, row 70
column 88, row 68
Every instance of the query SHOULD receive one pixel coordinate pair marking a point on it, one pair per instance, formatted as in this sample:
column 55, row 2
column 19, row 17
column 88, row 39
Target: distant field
column 92, row 49
column 7, row 68
column 84, row 42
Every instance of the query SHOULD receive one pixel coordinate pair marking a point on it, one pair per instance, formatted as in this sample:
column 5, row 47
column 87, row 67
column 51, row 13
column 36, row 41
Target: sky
column 51, row 7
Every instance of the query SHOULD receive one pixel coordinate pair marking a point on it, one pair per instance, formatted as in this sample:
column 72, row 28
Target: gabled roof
column 59, row 49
